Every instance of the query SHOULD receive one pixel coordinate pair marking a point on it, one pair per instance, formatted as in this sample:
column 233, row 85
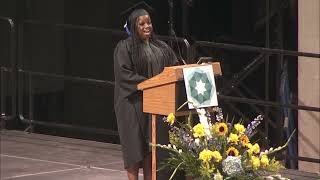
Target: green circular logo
column 200, row 85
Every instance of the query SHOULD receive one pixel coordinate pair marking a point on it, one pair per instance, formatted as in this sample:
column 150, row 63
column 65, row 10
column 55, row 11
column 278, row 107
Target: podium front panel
column 160, row 100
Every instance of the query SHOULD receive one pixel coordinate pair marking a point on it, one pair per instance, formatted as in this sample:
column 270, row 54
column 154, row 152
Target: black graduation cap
column 140, row 5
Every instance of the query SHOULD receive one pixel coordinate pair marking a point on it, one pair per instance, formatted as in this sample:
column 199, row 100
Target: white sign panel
column 200, row 86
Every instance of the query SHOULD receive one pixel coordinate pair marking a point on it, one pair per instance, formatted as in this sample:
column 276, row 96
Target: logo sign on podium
column 200, row 86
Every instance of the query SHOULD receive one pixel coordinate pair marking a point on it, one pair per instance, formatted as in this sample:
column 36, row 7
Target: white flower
column 174, row 147
column 204, row 120
column 201, row 111
column 169, row 145
column 197, row 141
column 262, row 153
column 180, row 151
column 277, row 176
column 232, row 165
column 218, row 176
column 268, row 178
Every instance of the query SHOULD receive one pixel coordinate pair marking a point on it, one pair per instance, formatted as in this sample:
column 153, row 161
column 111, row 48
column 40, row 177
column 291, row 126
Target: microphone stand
column 172, row 33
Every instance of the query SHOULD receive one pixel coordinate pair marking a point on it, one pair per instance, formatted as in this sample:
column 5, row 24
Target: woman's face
column 144, row 27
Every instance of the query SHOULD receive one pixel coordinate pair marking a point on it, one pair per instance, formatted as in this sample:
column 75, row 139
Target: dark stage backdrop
column 54, row 50
column 48, row 48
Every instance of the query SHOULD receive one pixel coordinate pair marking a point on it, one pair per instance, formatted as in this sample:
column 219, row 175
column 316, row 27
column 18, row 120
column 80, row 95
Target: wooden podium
column 163, row 94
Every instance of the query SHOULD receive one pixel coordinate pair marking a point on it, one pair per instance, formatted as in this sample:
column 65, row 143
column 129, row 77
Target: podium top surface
column 173, row 74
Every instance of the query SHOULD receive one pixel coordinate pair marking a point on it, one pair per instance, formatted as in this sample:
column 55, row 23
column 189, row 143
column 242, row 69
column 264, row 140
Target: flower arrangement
column 217, row 149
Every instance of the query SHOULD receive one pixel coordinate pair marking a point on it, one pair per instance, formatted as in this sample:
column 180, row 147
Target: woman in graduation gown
column 137, row 58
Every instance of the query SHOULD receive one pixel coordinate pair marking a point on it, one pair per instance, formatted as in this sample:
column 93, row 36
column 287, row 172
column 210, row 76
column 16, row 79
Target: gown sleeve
column 172, row 59
column 125, row 75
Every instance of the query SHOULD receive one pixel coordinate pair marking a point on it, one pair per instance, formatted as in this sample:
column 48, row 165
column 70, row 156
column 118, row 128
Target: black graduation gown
column 132, row 122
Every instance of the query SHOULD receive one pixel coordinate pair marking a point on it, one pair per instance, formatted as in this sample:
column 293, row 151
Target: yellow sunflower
column 244, row 140
column 232, row 151
column 221, row 128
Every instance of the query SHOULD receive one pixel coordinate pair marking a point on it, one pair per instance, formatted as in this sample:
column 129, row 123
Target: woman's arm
column 124, row 72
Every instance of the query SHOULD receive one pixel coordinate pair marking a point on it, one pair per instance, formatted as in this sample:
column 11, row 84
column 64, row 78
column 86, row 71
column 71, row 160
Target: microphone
column 176, row 39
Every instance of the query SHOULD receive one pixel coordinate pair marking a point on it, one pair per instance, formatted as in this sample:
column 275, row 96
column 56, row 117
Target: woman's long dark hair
column 137, row 55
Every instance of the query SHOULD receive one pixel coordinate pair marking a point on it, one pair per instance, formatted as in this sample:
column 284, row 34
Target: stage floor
column 35, row 156
column 27, row 156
